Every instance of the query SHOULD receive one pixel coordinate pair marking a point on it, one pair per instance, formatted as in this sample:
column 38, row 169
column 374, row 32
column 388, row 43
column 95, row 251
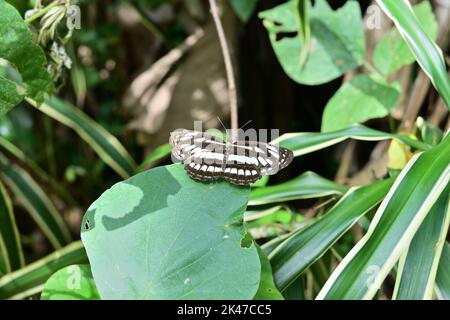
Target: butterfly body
column 208, row 158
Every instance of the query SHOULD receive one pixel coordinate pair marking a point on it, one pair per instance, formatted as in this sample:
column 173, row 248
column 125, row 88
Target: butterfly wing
column 188, row 143
column 269, row 158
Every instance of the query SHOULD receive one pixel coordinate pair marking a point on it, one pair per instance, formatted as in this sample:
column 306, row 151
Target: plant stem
column 229, row 70
column 41, row 12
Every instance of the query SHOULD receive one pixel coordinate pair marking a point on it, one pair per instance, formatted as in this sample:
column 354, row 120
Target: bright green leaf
column 74, row 282
column 362, row 98
column 162, row 235
column 267, row 289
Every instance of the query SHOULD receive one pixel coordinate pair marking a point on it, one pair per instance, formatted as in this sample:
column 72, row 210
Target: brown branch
column 229, row 70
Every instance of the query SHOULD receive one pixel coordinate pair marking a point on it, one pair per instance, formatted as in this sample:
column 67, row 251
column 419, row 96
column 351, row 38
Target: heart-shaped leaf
column 162, row 235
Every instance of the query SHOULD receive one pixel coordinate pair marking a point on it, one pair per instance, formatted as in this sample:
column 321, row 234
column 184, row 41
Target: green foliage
column 418, row 266
column 10, row 246
column 337, row 43
column 73, row 282
column 427, row 53
column 267, row 289
column 30, row 279
column 156, row 236
column 392, row 52
column 362, row 98
column 292, row 256
column 414, row 193
column 17, row 47
column 308, row 185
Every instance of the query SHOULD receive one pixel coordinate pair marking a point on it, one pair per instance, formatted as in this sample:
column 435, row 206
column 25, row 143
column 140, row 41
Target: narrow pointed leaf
column 306, row 186
column 306, row 142
column 267, row 289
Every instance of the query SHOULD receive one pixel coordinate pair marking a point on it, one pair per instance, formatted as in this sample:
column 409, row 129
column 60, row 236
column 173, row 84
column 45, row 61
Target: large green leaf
column 290, row 258
column 305, row 142
column 362, row 271
column 244, row 9
column 392, row 52
column 267, row 289
column 306, row 186
column 162, row 235
column 418, row 266
column 18, row 48
column 10, row 246
column 74, row 282
column 443, row 276
column 362, row 98
column 101, row 141
column 427, row 53
column 337, row 43
column 37, row 203
column 30, row 279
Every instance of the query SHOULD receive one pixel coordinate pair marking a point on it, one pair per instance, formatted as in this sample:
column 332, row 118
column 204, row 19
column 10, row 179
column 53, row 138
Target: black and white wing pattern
column 208, row 158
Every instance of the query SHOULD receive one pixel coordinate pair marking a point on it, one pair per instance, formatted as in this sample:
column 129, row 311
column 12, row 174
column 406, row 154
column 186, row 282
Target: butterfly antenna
column 222, row 124
column 249, row 121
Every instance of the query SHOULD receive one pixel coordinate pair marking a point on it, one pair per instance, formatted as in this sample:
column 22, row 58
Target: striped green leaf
column 306, row 186
column 10, row 246
column 443, row 276
column 419, row 185
column 108, row 148
column 418, row 266
column 427, row 53
column 290, row 258
column 37, row 203
column 31, row 279
column 306, row 142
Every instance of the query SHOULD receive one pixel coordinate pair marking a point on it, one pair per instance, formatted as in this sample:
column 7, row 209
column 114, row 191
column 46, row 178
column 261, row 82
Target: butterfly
column 208, row 158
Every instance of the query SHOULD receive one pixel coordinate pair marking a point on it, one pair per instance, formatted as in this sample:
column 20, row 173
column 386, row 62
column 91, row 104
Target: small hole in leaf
column 86, row 225
column 282, row 35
